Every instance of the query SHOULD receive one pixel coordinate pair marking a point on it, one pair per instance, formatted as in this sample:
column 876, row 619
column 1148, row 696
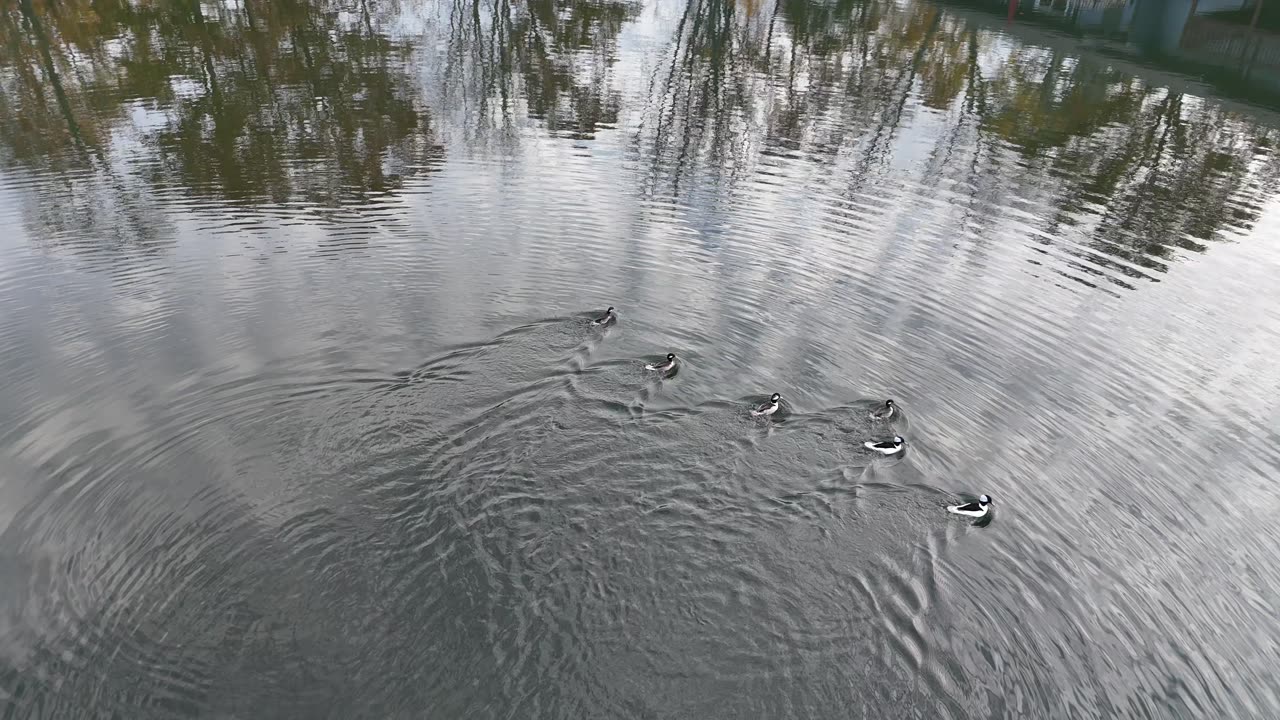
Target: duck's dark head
column 609, row 311
column 888, row 403
column 898, row 439
column 775, row 398
column 984, row 499
column 671, row 356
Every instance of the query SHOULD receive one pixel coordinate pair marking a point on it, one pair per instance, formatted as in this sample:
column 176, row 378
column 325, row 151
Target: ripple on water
column 596, row 542
column 559, row 546
column 218, row 502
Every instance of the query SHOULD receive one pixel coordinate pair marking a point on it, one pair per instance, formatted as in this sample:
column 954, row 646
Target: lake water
column 302, row 414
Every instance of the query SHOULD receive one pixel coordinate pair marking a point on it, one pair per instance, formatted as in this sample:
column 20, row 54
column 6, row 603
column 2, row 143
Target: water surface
column 302, row 414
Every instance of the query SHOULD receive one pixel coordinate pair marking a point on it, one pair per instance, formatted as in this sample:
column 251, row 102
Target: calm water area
column 302, row 413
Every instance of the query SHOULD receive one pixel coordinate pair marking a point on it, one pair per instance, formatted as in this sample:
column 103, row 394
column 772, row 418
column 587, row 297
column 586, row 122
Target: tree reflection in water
column 1139, row 171
column 257, row 103
column 319, row 104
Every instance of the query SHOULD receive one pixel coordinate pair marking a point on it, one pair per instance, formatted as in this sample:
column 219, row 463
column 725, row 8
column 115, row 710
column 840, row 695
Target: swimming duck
column 608, row 318
column 768, row 408
column 885, row 412
column 667, row 366
column 977, row 509
column 886, row 447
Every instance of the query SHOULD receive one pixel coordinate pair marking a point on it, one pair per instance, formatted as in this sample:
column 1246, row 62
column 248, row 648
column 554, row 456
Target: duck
column 886, row 447
column 608, row 318
column 768, row 408
column 977, row 509
column 885, row 412
column 667, row 366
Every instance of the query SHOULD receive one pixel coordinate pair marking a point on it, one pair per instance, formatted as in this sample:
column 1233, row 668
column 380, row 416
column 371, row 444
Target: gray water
column 302, row 414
